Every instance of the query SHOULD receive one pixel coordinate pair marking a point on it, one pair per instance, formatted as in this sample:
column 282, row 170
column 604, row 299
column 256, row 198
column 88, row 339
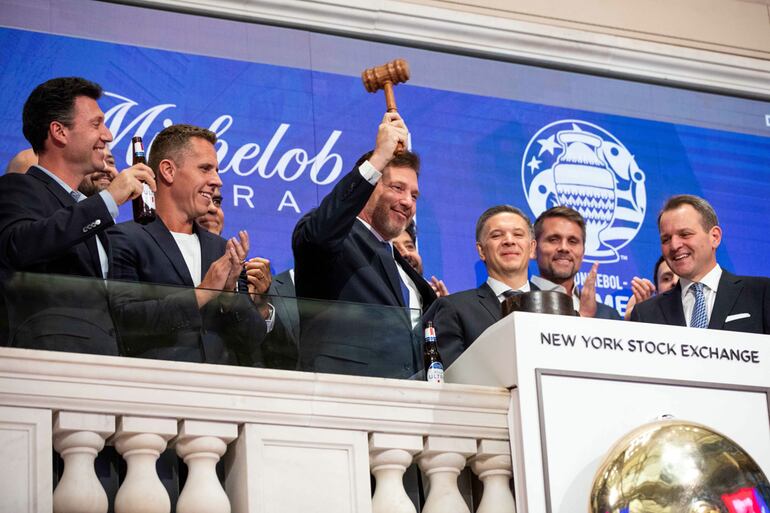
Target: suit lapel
column 729, row 289
column 386, row 262
column 423, row 287
column 671, row 306
column 489, row 301
column 66, row 200
column 167, row 244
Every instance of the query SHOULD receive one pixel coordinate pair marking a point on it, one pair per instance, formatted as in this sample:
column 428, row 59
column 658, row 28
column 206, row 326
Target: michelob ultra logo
column 581, row 165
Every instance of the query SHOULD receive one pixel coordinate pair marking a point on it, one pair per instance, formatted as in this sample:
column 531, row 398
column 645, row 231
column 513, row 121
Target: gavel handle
column 390, row 102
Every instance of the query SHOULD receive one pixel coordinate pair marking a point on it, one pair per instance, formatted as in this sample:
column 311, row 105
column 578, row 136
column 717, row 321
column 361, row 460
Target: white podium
column 578, row 385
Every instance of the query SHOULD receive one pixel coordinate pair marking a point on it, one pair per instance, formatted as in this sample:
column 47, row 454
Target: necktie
column 699, row 318
column 77, row 196
column 510, row 293
column 393, row 270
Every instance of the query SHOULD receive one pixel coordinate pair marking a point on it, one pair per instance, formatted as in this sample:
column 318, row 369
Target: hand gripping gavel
column 385, row 77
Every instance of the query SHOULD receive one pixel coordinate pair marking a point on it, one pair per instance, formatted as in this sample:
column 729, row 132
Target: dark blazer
column 606, row 312
column 280, row 349
column 337, row 258
column 461, row 317
column 165, row 322
column 735, row 295
column 44, row 230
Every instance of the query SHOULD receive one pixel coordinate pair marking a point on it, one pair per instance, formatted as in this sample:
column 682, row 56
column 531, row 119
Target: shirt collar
column 55, row 178
column 711, row 280
column 374, row 232
column 499, row 287
column 544, row 284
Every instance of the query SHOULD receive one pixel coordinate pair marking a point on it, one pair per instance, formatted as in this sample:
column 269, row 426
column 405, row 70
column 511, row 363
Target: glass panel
column 85, row 315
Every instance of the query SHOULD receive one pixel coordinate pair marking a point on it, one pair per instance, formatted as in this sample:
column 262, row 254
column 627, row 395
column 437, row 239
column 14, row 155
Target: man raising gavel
column 342, row 252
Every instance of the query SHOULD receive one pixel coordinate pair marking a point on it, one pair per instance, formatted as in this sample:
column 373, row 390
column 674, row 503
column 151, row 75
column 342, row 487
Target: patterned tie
column 510, row 293
column 77, row 196
column 699, row 318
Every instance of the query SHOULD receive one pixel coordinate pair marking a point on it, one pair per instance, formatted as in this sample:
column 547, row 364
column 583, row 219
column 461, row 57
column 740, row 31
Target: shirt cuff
column 270, row 321
column 110, row 202
column 369, row 172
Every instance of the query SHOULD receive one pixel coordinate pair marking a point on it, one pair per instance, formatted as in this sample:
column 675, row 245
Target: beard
column 385, row 225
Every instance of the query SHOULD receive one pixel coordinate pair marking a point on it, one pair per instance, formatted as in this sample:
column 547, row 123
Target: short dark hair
column 708, row 216
column 411, row 230
column 173, row 139
column 655, row 270
column 405, row 159
column 500, row 209
column 567, row 213
column 53, row 100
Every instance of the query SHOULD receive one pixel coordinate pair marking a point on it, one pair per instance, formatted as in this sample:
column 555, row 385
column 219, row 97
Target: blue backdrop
column 287, row 134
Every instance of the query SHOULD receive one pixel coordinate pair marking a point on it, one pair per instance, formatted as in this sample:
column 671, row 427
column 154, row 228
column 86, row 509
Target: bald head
column 22, row 161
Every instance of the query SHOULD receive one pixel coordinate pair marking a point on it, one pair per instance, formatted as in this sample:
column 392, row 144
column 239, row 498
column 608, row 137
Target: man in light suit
column 342, row 252
column 505, row 243
column 560, row 233
column 47, row 226
column 197, row 323
column 706, row 296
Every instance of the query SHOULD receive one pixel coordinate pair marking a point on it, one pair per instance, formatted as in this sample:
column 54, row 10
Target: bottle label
column 138, row 149
column 430, row 333
column 148, row 196
column 435, row 373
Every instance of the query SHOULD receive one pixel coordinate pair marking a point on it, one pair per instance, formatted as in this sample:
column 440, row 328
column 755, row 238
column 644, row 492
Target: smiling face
column 100, row 180
column 393, row 202
column 506, row 246
column 688, row 247
column 214, row 219
column 86, row 137
column 560, row 249
column 195, row 178
column 405, row 246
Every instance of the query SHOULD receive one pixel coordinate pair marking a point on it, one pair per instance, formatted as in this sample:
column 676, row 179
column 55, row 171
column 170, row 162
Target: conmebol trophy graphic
column 582, row 166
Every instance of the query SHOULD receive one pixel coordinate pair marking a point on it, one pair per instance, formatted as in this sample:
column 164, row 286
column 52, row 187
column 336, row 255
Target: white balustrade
column 442, row 460
column 200, row 444
column 389, row 456
column 140, row 440
column 320, row 433
column 492, row 464
column 78, row 438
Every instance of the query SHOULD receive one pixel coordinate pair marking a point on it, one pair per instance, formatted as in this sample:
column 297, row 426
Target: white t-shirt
column 190, row 247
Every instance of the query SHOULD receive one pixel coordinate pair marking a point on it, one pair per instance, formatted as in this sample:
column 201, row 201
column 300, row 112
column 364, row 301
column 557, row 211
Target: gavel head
column 395, row 72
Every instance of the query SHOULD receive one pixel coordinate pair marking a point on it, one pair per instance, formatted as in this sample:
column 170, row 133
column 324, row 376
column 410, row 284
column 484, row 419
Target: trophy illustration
column 584, row 183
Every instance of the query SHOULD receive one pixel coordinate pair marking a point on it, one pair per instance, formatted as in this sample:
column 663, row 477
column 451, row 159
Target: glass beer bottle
column 144, row 204
column 434, row 367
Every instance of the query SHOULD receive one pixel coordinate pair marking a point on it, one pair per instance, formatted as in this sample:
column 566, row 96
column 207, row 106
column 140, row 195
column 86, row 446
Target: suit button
column 85, row 229
column 97, row 222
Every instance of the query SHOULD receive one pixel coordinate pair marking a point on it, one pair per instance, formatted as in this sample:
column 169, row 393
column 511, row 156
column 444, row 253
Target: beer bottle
column 434, row 367
column 144, row 204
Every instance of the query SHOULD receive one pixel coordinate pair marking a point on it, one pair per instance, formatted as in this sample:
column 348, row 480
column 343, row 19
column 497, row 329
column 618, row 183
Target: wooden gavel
column 385, row 77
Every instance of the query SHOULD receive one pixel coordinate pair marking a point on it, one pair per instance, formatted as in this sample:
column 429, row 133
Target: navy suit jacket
column 281, row 346
column 461, row 317
column 736, row 296
column 44, row 230
column 337, row 258
column 165, row 322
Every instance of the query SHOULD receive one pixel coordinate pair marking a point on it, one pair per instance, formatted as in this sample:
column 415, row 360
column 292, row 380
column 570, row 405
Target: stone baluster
column 78, row 438
column 200, row 444
column 389, row 456
column 492, row 463
column 140, row 440
column 442, row 460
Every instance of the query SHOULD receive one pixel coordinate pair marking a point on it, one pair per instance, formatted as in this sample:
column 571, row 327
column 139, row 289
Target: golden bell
column 675, row 466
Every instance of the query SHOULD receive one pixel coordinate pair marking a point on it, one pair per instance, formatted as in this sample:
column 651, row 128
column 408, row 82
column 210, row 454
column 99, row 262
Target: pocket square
column 735, row 317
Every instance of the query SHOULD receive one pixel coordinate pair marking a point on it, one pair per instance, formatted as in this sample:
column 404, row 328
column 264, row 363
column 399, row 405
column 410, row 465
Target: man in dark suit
column 47, row 226
column 342, row 253
column 505, row 243
column 198, row 323
column 560, row 233
column 706, row 296
column 280, row 349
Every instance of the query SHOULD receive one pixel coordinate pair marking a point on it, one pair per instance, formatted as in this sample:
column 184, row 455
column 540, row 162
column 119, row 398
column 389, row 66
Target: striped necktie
column 699, row 318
